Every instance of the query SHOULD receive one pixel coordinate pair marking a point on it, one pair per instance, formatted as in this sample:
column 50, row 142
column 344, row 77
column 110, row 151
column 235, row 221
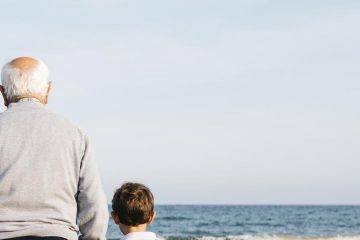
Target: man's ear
column 48, row 92
column 115, row 217
column 6, row 101
column 152, row 217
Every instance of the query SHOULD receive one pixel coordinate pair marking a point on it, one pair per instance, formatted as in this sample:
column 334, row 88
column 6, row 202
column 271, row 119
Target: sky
column 206, row 102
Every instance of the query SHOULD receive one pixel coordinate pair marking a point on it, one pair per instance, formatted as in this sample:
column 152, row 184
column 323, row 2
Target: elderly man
column 48, row 174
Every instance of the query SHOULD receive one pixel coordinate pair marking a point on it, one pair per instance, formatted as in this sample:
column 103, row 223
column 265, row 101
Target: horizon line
column 256, row 204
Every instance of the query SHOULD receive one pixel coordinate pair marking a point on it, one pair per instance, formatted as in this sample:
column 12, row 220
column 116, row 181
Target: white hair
column 25, row 81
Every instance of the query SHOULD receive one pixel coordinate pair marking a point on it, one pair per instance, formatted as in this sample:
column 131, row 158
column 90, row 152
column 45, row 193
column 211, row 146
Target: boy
column 133, row 211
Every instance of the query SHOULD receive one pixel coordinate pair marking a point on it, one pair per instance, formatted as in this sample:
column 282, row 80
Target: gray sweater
column 48, row 177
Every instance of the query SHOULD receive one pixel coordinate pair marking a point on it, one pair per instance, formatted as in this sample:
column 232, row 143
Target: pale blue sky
column 252, row 101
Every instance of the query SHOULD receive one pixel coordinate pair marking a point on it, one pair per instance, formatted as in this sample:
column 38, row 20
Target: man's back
column 47, row 176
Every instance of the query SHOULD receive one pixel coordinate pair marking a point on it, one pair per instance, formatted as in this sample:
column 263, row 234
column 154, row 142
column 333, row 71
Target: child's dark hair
column 133, row 203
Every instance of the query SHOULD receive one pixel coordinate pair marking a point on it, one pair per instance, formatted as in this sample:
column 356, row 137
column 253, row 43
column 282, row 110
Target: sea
column 247, row 222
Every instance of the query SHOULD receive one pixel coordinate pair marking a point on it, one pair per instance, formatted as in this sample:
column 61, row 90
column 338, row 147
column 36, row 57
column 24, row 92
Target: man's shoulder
column 61, row 121
column 40, row 116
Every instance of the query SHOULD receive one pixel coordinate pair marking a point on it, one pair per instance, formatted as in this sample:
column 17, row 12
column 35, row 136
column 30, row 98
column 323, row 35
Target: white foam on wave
column 278, row 237
column 262, row 237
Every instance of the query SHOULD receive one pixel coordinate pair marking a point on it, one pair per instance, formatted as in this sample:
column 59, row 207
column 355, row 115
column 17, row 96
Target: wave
column 254, row 237
column 174, row 218
column 266, row 237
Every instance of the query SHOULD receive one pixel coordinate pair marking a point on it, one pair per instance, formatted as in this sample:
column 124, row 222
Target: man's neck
column 27, row 97
column 29, row 100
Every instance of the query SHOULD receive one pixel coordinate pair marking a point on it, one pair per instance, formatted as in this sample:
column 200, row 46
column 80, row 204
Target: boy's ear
column 115, row 217
column 152, row 217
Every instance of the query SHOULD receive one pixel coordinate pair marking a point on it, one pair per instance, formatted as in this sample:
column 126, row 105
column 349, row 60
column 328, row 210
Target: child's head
column 133, row 207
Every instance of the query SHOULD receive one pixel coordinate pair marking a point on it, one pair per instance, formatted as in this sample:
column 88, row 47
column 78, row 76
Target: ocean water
column 244, row 222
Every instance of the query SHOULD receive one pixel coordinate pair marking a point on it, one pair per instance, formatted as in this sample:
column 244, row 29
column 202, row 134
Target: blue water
column 252, row 222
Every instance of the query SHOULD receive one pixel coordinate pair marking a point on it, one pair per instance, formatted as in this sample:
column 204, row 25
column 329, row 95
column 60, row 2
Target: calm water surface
column 243, row 222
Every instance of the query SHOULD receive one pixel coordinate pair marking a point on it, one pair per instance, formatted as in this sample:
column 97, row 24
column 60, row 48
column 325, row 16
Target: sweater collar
column 139, row 236
column 26, row 103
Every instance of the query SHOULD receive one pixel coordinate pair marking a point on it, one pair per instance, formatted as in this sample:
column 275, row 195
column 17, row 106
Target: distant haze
column 243, row 101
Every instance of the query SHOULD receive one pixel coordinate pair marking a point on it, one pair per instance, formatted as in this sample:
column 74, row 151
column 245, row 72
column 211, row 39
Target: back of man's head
column 25, row 77
column 134, row 204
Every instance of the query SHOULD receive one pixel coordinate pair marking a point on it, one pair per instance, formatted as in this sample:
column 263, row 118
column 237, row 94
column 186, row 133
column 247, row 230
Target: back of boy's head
column 133, row 203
